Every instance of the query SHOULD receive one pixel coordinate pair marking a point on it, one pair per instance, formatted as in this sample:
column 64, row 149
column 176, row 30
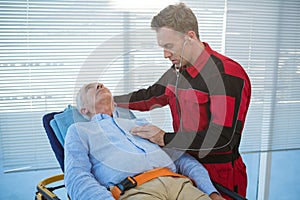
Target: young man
column 208, row 94
column 101, row 153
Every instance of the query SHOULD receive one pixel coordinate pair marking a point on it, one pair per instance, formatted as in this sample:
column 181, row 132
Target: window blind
column 264, row 37
column 50, row 48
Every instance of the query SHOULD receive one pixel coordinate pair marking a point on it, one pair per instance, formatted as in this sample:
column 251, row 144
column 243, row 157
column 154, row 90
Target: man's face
column 172, row 42
column 96, row 95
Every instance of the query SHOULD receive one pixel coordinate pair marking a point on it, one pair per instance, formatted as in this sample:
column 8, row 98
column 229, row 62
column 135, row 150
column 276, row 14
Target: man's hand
column 150, row 132
column 215, row 196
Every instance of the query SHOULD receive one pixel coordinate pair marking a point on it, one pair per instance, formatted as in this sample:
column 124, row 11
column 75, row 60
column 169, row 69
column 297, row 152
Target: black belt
column 218, row 158
column 227, row 156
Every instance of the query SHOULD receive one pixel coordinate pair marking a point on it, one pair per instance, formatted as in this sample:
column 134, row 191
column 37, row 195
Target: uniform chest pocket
column 193, row 96
column 194, row 107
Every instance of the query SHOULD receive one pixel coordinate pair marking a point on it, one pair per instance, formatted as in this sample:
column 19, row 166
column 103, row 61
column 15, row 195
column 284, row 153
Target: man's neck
column 106, row 109
column 108, row 112
column 197, row 50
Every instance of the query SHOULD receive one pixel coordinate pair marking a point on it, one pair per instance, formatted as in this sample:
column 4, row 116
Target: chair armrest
column 44, row 192
column 228, row 192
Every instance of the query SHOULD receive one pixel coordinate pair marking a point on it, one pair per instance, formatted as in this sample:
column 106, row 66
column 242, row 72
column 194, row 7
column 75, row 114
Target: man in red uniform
column 208, row 94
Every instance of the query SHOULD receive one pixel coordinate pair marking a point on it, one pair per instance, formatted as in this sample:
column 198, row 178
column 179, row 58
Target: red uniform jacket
column 208, row 108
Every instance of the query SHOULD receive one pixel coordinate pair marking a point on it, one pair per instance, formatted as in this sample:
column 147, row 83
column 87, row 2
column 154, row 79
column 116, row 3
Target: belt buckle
column 126, row 184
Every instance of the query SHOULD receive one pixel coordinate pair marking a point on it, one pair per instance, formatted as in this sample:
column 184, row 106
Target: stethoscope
column 177, row 69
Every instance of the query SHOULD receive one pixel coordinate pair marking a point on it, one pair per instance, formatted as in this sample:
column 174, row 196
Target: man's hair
column 79, row 100
column 178, row 17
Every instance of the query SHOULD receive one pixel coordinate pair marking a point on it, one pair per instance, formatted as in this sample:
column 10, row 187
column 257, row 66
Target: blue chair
column 43, row 190
column 55, row 125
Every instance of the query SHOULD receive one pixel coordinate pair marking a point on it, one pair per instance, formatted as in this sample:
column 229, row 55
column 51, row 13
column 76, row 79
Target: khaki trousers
column 165, row 188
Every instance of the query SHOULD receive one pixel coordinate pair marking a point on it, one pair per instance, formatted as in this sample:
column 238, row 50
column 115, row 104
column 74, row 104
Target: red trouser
column 231, row 175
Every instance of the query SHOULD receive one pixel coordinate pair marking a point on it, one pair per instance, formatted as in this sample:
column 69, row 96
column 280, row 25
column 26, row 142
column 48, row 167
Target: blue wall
column 22, row 185
column 285, row 178
column 285, row 182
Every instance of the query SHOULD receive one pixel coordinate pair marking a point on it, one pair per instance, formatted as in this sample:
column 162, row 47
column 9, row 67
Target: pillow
column 61, row 122
column 56, row 130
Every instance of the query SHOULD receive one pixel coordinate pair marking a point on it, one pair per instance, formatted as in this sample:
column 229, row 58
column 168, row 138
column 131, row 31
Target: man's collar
column 200, row 62
column 101, row 116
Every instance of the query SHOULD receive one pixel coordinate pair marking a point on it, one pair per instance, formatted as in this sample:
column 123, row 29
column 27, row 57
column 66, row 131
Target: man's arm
column 146, row 99
column 216, row 136
column 229, row 100
column 80, row 182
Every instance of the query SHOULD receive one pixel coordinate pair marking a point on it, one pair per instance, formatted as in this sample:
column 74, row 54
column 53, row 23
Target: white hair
column 80, row 103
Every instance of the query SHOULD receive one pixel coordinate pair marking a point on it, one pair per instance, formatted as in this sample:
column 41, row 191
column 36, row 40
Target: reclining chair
column 43, row 190
column 55, row 125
